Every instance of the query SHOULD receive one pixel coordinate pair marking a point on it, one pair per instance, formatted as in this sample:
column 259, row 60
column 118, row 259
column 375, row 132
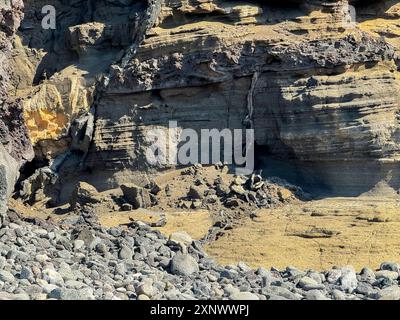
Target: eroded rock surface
column 326, row 95
column 15, row 147
column 323, row 84
column 319, row 85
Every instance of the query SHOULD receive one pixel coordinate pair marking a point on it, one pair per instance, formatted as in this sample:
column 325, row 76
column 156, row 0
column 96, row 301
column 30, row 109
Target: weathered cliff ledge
column 325, row 103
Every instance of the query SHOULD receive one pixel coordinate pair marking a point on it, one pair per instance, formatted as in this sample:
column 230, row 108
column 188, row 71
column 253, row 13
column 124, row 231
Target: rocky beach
column 80, row 260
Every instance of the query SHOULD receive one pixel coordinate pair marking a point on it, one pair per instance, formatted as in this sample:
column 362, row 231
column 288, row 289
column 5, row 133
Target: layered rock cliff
column 326, row 98
column 323, row 84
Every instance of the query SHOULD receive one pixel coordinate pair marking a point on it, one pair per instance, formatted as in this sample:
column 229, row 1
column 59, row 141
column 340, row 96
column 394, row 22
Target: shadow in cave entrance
column 284, row 167
column 324, row 179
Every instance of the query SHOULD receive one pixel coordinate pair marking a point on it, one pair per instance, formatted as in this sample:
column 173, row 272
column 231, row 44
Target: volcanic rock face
column 323, row 84
column 13, row 134
column 326, row 95
column 58, row 70
column 15, row 147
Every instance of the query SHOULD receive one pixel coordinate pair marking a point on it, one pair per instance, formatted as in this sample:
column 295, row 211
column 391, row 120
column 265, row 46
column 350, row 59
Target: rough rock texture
column 8, row 176
column 319, row 87
column 15, row 147
column 58, row 70
column 325, row 96
column 13, row 133
column 81, row 260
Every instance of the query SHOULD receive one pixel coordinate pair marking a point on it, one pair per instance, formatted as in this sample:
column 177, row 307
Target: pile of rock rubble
column 79, row 259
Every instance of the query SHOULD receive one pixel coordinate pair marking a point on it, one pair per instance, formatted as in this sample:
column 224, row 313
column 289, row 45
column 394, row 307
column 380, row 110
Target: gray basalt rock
column 86, row 273
column 8, row 177
column 183, row 264
column 348, row 279
column 138, row 197
column 244, row 296
column 84, row 194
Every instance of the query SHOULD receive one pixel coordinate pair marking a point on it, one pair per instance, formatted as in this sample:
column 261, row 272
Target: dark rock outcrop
column 15, row 147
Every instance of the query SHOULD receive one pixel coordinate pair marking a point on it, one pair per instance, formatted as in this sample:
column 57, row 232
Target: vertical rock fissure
column 148, row 21
column 150, row 18
column 248, row 121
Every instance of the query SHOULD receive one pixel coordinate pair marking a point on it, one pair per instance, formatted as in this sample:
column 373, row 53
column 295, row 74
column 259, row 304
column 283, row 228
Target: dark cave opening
column 30, row 167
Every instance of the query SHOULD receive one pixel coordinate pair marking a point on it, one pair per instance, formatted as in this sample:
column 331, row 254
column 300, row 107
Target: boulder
column 184, row 265
column 315, row 295
column 154, row 187
column 240, row 180
column 146, row 289
column 244, row 296
column 386, row 274
column 125, row 253
column 222, row 189
column 39, row 186
column 83, row 194
column 389, row 293
column 6, row 276
column 238, row 189
column 72, row 294
column 8, row 176
column 348, row 279
column 391, row 266
column 182, row 239
column 195, row 193
column 137, row 196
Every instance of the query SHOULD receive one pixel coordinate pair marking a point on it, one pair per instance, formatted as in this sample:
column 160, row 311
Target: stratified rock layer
column 326, row 97
column 322, row 84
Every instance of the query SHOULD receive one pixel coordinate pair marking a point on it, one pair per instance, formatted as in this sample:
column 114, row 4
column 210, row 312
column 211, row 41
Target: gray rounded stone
column 183, row 264
column 125, row 253
column 6, row 276
column 244, row 296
